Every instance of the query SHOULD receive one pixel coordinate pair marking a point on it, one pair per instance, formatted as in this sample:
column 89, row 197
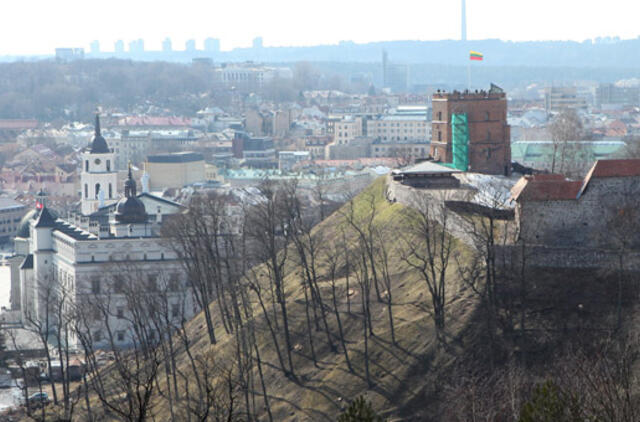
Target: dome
column 130, row 209
column 98, row 143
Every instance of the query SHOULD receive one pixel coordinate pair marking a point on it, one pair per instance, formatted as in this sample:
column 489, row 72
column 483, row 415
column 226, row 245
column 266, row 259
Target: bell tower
column 99, row 178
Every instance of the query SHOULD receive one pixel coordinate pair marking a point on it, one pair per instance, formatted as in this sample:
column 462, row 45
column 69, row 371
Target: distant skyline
column 39, row 26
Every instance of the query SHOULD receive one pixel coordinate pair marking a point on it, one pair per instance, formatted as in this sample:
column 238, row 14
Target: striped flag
column 474, row 55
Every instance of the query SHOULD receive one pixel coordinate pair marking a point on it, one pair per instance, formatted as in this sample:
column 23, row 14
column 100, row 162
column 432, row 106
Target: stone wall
column 584, row 222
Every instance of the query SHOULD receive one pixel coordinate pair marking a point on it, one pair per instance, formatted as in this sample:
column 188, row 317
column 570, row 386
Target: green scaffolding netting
column 460, row 141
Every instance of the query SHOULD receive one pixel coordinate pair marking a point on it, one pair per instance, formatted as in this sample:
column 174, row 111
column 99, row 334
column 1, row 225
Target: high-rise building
column 486, row 137
column 190, row 45
column 212, row 45
column 118, row 46
column 166, row 45
column 136, row 46
column 257, row 42
column 95, row 47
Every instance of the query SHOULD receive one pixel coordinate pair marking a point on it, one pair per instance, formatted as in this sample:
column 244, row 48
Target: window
column 108, row 165
column 118, row 284
column 120, row 336
column 97, row 335
column 487, row 115
column 439, row 115
column 120, row 312
column 95, row 285
column 86, row 190
column 175, row 310
column 174, row 282
column 97, row 189
column 110, row 191
column 488, row 135
column 151, row 282
column 97, row 315
column 86, row 165
column 439, row 136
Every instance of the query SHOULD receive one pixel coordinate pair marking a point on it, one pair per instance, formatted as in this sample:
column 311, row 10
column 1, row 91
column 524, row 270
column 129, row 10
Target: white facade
column 100, row 273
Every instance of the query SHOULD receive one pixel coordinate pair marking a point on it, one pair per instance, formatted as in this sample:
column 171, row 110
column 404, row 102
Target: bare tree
column 565, row 127
column 429, row 248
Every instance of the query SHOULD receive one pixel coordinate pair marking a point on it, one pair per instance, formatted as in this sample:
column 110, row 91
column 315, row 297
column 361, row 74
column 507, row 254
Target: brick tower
column 489, row 133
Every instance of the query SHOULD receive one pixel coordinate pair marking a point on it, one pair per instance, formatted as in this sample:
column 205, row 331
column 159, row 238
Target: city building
column 345, row 129
column 257, row 42
column 130, row 146
column 166, row 45
column 190, row 45
column 560, row 98
column 95, row 47
column 481, row 132
column 249, row 77
column 288, row 159
column 611, row 94
column 212, row 45
column 118, row 47
column 97, row 271
column 69, row 54
column 11, row 212
column 174, row 170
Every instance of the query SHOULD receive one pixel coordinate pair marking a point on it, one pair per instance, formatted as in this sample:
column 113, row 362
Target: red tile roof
column 554, row 187
column 545, row 187
column 615, row 168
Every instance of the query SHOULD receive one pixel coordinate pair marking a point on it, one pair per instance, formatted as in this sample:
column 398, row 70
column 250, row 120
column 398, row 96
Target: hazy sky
column 38, row 26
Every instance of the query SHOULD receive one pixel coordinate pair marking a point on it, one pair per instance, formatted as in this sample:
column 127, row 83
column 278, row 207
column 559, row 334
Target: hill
column 502, row 339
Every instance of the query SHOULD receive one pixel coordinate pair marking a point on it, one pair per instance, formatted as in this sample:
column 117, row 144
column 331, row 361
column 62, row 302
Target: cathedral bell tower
column 98, row 178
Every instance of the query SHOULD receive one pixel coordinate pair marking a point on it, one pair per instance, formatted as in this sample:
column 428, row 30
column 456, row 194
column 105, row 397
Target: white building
column 99, row 177
column 99, row 267
column 99, row 258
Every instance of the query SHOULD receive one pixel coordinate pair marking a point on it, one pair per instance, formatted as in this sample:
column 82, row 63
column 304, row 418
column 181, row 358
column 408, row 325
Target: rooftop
column 429, row 167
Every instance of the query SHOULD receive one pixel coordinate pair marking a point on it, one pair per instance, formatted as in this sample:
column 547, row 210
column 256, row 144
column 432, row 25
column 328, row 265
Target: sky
column 39, row 26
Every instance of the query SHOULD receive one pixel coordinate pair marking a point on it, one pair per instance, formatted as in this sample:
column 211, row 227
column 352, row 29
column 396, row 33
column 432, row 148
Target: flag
column 474, row 55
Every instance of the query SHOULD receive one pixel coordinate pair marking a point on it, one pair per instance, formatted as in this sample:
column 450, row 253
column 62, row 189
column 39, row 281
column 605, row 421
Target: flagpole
column 469, row 75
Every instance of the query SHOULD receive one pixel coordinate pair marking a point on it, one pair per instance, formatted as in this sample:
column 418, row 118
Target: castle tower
column 98, row 173
column 488, row 134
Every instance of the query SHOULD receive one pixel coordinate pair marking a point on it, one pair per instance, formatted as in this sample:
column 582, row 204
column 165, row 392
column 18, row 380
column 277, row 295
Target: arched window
column 86, row 165
column 97, row 189
column 487, row 115
column 86, row 190
column 109, row 166
column 110, row 191
column 439, row 136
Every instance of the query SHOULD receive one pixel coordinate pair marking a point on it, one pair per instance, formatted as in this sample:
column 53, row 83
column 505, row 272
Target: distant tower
column 190, row 45
column 464, row 20
column 95, row 47
column 212, row 45
column 119, row 46
column 385, row 64
column 166, row 45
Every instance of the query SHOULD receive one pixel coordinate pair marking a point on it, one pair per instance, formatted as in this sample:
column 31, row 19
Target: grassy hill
column 562, row 327
column 400, row 372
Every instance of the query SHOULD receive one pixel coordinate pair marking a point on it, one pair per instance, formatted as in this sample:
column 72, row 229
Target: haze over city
column 51, row 24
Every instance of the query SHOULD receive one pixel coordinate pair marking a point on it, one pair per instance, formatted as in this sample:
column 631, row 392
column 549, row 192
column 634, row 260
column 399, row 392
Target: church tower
column 99, row 177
